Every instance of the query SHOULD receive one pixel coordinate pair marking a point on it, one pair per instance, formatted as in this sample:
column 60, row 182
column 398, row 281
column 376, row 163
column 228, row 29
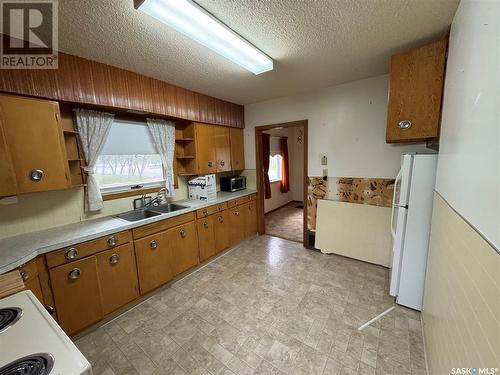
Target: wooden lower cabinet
column 206, row 237
column 117, row 277
column 34, row 285
column 250, row 214
column 154, row 261
column 236, row 225
column 77, row 294
column 221, row 231
column 183, row 241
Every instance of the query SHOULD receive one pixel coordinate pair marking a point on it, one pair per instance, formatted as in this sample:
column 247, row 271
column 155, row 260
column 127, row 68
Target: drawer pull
column 222, row 163
column 113, row 259
column 72, row 253
column 210, row 164
column 405, row 124
column 36, row 175
column 220, row 208
column 205, row 212
column 75, row 273
column 153, row 244
column 221, row 219
column 112, row 241
column 237, row 213
column 205, row 224
column 25, row 275
column 183, row 233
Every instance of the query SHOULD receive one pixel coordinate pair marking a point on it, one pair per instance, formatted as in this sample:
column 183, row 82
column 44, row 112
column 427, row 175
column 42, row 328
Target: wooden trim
column 261, row 225
column 130, row 193
column 277, row 208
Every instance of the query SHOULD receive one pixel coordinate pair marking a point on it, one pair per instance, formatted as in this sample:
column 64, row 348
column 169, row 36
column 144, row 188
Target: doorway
column 282, row 211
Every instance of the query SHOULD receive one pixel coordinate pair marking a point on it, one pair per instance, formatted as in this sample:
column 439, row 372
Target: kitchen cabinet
column 415, row 94
column 237, row 225
column 237, row 149
column 154, row 261
column 206, row 237
column 8, row 184
column 33, row 133
column 183, row 241
column 77, row 294
column 205, row 148
column 29, row 274
column 117, row 277
column 250, row 215
column 221, row 231
column 222, row 148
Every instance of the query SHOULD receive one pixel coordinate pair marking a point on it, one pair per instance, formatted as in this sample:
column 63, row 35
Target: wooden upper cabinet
column 8, row 184
column 416, row 89
column 223, row 148
column 35, row 141
column 237, row 149
column 205, row 148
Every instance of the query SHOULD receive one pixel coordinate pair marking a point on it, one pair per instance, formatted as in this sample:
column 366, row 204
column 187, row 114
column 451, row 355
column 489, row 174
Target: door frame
column 261, row 225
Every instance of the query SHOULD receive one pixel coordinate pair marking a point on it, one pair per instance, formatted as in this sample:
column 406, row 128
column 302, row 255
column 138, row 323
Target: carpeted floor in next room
column 269, row 306
column 286, row 222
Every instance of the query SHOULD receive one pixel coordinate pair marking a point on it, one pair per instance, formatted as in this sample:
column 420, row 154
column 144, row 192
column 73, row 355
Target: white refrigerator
column 410, row 227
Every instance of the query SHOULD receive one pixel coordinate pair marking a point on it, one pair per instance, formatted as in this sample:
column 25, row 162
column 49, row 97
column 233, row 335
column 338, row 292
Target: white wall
column 346, row 122
column 468, row 174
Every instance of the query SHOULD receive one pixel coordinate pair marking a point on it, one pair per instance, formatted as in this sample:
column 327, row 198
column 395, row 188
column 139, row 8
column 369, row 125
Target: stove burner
column 35, row 364
column 9, row 316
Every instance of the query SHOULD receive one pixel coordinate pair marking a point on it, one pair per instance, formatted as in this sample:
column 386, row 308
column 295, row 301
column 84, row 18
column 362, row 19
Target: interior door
column 223, row 148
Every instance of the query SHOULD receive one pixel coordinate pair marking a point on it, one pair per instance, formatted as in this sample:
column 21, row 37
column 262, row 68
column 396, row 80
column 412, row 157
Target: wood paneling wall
column 79, row 80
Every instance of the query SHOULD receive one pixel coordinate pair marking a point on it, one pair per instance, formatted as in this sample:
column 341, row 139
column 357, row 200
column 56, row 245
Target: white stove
column 32, row 343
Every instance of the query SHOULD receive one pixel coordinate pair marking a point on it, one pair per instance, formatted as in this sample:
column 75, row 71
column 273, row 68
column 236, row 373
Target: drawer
column 210, row 210
column 241, row 200
column 84, row 249
column 159, row 226
column 29, row 270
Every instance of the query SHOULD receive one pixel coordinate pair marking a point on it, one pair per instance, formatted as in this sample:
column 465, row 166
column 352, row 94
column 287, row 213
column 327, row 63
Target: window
column 275, row 168
column 128, row 158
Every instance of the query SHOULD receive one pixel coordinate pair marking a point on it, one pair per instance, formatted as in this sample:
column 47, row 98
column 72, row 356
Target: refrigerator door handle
column 394, row 205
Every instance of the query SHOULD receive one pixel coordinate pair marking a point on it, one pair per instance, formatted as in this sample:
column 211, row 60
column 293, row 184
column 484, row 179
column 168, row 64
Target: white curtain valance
column 93, row 128
column 163, row 136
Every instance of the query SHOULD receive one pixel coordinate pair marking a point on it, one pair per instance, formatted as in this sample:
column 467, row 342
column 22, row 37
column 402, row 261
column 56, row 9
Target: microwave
column 234, row 183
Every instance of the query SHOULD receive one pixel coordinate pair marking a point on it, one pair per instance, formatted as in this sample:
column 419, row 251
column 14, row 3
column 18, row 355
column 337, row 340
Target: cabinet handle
column 112, row 241
column 237, row 213
column 220, row 208
column 183, row 233
column 205, row 212
column 205, row 224
column 50, row 309
column 210, row 164
column 72, row 253
column 36, row 175
column 24, row 275
column 222, row 163
column 221, row 219
column 113, row 259
column 153, row 244
column 75, row 273
column 405, row 124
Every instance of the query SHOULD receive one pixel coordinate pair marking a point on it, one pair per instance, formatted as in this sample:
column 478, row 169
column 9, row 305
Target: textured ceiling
column 314, row 43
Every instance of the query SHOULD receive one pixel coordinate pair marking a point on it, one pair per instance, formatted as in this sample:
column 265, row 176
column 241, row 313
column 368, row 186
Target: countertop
column 17, row 250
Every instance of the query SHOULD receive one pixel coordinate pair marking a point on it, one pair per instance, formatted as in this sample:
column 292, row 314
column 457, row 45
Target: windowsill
column 274, row 181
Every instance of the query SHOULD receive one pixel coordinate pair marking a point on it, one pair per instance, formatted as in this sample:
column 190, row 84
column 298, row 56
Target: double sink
column 145, row 213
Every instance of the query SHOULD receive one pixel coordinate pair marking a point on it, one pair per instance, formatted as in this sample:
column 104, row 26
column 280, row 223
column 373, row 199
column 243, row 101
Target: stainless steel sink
column 141, row 214
column 168, row 207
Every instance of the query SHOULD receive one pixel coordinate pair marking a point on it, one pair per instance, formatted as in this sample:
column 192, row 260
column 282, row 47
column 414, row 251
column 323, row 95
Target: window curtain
column 163, row 136
column 93, row 128
column 266, row 152
column 285, row 174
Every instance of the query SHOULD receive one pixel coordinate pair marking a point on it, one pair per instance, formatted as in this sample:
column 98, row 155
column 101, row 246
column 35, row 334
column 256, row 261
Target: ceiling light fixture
column 188, row 18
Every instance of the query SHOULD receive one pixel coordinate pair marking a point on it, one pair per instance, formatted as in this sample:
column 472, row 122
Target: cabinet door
column 206, row 237
column 33, row 284
column 415, row 93
column 8, row 184
column 117, row 277
column 237, row 149
column 154, row 261
column 221, row 230
column 77, row 294
column 223, row 148
column 236, row 225
column 184, row 243
column 250, row 218
column 34, row 135
column 205, row 148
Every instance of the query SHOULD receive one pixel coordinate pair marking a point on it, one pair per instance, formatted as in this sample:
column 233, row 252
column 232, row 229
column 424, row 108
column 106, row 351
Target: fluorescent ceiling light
column 189, row 19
